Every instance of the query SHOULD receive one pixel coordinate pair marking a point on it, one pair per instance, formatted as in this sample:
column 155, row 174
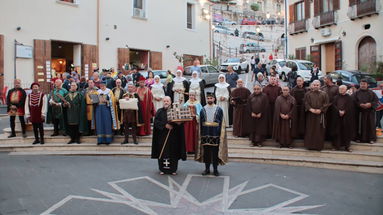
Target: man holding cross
column 168, row 144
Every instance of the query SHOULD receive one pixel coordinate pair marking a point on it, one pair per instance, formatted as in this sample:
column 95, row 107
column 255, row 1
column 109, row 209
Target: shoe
column 174, row 173
column 216, row 173
column 70, row 142
column 24, row 135
column 55, row 134
column 347, row 149
column 206, row 172
column 107, row 144
column 135, row 143
column 125, row 142
column 36, row 142
column 259, row 145
column 12, row 135
column 372, row 142
column 162, row 173
column 42, row 142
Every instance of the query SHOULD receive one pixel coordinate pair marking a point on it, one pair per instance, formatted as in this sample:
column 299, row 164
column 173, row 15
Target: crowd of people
column 314, row 114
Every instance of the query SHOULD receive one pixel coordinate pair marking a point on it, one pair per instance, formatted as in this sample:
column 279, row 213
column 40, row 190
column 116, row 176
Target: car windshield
column 232, row 60
column 305, row 65
column 364, row 76
column 161, row 73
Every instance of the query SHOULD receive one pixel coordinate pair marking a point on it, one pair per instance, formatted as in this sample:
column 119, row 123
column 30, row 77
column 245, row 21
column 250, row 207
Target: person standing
column 132, row 118
column 179, row 88
column 118, row 92
column 222, row 93
column 149, row 80
column 197, row 85
column 272, row 92
column 252, row 63
column 261, row 80
column 298, row 92
column 196, row 67
column 314, row 73
column 316, row 104
column 105, row 115
column 366, row 102
column 191, row 127
column 256, row 71
column 231, row 78
column 212, row 148
column 136, row 76
column 96, row 79
column 121, row 76
column 168, row 143
column 91, row 99
column 35, row 112
column 239, row 97
column 343, row 119
column 75, row 111
column 55, row 113
column 15, row 107
column 258, row 105
column 158, row 92
column 332, row 90
column 284, row 118
column 379, row 108
column 146, row 103
column 292, row 76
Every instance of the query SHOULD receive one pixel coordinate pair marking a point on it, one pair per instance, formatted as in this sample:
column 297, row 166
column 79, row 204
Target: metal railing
column 365, row 8
column 327, row 18
column 300, row 26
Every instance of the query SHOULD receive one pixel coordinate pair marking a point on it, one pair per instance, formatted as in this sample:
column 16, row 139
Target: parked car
column 249, row 22
column 253, row 35
column 162, row 73
column 238, row 64
column 353, row 77
column 270, row 21
column 304, row 69
column 278, row 63
column 227, row 22
column 223, row 30
column 209, row 74
column 251, row 48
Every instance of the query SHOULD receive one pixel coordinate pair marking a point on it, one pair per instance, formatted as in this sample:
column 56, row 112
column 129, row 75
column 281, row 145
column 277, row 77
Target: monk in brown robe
column 239, row 98
column 343, row 119
column 284, row 118
column 332, row 90
column 258, row 105
column 316, row 103
column 272, row 91
column 298, row 92
column 366, row 102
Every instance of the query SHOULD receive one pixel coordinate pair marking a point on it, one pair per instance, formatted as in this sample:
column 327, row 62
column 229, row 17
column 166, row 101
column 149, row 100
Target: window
column 299, row 11
column 190, row 16
column 139, row 8
column 70, row 1
column 327, row 5
column 212, row 69
column 279, row 8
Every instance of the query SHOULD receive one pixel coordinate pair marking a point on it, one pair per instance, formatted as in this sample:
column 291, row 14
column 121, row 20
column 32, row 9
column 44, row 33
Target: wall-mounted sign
column 23, row 51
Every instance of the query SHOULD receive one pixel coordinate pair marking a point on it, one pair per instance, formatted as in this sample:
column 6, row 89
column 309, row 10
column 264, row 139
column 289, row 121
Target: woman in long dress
column 197, row 85
column 179, row 88
column 150, row 79
column 158, row 93
column 191, row 127
column 222, row 95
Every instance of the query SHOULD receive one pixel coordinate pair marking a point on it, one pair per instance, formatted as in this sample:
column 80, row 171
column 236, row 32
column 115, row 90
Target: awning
column 330, row 40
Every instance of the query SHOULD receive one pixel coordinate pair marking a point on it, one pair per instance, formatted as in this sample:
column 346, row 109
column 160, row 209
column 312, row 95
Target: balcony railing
column 298, row 27
column 327, row 18
column 366, row 8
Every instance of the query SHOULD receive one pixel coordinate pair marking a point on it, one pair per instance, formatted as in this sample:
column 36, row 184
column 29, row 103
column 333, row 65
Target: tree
column 255, row 7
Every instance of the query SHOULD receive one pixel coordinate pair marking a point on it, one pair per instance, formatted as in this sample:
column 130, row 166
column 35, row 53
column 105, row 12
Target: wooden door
column 330, row 57
column 42, row 63
column 122, row 58
column 315, row 52
column 366, row 53
column 89, row 60
column 156, row 60
column 1, row 63
column 338, row 55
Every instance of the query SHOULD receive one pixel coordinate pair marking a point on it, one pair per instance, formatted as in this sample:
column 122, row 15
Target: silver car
column 209, row 74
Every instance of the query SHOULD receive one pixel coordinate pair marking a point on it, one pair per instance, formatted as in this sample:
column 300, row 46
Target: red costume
column 148, row 111
column 35, row 105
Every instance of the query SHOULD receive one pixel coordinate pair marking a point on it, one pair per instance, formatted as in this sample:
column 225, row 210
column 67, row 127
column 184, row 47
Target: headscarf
column 223, row 84
column 159, row 84
column 178, row 79
column 195, row 80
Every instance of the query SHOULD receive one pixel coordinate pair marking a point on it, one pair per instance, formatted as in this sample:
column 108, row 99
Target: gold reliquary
column 179, row 113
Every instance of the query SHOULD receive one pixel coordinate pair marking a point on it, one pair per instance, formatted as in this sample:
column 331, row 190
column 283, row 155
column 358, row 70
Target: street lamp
column 258, row 30
column 267, row 15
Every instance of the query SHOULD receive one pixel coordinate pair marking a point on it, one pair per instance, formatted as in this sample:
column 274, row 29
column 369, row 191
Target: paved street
column 123, row 185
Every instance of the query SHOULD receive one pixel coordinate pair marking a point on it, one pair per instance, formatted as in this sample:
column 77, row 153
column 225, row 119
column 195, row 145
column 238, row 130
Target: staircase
column 363, row 158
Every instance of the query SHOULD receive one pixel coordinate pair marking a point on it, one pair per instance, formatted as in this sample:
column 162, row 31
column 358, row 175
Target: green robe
column 76, row 112
column 56, row 112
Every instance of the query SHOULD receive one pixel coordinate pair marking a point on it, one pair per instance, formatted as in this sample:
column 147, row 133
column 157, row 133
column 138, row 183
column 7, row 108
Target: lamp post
column 285, row 22
column 258, row 48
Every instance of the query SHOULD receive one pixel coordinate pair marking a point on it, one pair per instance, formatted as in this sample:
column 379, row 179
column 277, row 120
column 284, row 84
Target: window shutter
column 291, row 13
column 307, row 9
column 316, row 7
column 297, row 54
column 338, row 55
column 122, row 57
column 352, row 2
column 303, row 53
column 315, row 52
column 156, row 60
column 41, row 56
column 89, row 59
column 336, row 4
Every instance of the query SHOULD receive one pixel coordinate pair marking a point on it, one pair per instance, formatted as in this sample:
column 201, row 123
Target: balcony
column 362, row 9
column 298, row 27
column 325, row 19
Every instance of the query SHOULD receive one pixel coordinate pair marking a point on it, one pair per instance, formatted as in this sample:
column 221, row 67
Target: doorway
column 330, row 57
column 139, row 59
column 65, row 57
column 366, row 54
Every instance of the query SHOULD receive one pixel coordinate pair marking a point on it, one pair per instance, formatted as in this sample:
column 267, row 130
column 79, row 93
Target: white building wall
column 164, row 25
column 46, row 20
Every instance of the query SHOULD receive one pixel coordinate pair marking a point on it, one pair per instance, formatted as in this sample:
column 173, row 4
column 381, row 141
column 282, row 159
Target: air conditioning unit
column 137, row 12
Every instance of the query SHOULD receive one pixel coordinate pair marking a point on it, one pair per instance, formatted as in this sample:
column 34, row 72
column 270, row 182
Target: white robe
column 158, row 93
column 222, row 91
column 179, row 97
column 194, row 86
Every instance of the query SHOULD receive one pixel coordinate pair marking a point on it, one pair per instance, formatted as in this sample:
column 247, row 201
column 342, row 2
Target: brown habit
column 315, row 123
column 272, row 93
column 283, row 128
column 258, row 127
column 344, row 125
column 239, row 97
column 331, row 91
column 365, row 117
column 299, row 94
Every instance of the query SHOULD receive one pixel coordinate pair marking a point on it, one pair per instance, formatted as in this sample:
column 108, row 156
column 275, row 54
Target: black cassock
column 174, row 148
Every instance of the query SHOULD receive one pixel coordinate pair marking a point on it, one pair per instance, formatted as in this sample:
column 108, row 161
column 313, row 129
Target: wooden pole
column 163, row 147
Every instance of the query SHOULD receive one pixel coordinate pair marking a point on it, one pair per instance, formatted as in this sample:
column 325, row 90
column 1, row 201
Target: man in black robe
column 366, row 102
column 298, row 92
column 343, row 119
column 168, row 144
column 238, row 99
column 332, row 90
column 213, row 145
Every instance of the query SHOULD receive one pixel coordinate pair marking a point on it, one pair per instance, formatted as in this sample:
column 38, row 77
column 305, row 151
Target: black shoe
column 206, row 172
column 135, row 143
column 107, row 144
column 42, row 142
column 24, row 135
column 70, row 142
column 125, row 142
column 216, row 173
column 12, row 135
column 36, row 142
column 55, row 134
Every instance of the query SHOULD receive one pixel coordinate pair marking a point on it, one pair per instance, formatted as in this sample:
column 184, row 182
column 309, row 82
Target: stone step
column 339, row 164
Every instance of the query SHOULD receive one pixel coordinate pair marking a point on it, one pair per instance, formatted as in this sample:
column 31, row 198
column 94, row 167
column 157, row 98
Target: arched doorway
column 366, row 53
